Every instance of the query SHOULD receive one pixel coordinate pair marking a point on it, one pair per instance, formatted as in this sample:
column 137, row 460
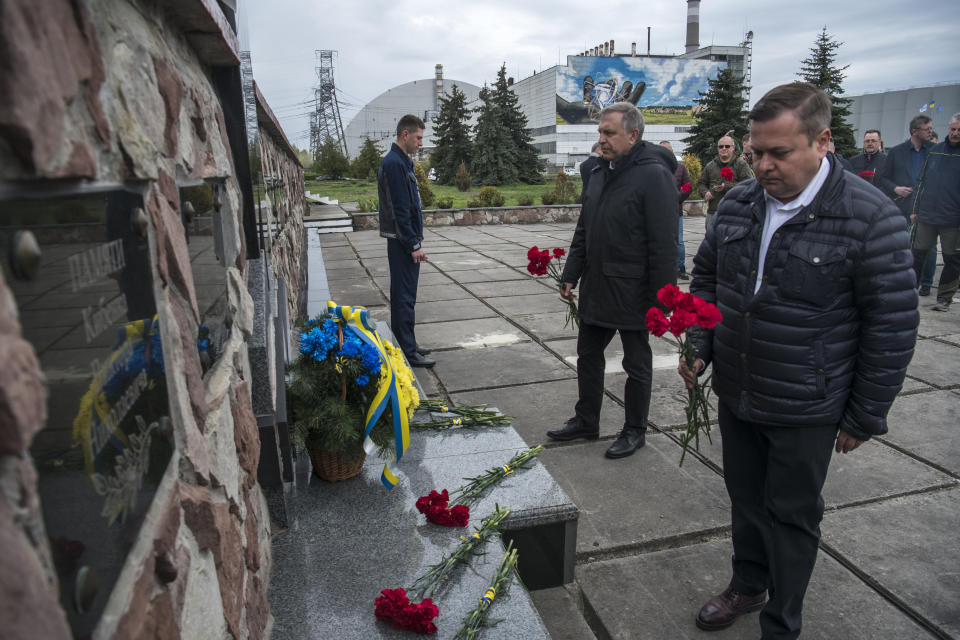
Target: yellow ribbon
column 387, row 392
column 489, row 595
column 506, row 469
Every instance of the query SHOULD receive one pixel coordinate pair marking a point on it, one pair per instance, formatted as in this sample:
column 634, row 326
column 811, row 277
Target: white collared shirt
column 778, row 213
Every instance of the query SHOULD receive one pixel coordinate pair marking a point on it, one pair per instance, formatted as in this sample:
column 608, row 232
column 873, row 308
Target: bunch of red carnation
column 434, row 506
column 540, row 259
column 727, row 174
column 394, row 607
column 685, row 187
column 866, row 174
column 687, row 311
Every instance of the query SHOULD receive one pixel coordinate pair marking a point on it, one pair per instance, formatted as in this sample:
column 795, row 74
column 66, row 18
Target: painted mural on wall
column 663, row 88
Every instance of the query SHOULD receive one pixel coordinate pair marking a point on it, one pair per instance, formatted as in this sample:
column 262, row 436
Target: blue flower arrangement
column 331, row 385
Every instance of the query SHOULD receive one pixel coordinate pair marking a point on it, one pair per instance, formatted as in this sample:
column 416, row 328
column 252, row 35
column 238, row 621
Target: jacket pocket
column 625, row 270
column 812, row 271
column 732, row 256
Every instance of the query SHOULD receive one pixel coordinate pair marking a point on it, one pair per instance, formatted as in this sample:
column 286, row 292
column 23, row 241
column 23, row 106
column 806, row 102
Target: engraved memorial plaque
column 87, row 307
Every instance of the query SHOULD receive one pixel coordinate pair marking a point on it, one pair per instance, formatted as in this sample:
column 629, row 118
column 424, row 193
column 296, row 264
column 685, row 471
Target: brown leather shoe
column 721, row 610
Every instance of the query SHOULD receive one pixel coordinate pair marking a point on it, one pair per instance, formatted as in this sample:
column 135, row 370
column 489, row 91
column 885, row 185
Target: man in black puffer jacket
column 811, row 268
column 624, row 250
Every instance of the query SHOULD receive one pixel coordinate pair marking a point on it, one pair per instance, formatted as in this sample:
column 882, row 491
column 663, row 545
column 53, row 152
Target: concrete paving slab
column 469, row 334
column 465, row 309
column 344, row 273
column 935, row 324
column 462, row 261
column 468, row 369
column 538, row 303
column 668, row 399
column 935, row 364
column 910, row 546
column 953, row 338
column 519, row 287
column 546, row 326
column 495, row 274
column 356, row 293
column 655, row 596
column 537, row 408
column 912, row 385
column 439, row 292
column 340, row 252
column 624, row 503
column 559, row 612
column 513, row 256
column 875, row 471
column 926, row 424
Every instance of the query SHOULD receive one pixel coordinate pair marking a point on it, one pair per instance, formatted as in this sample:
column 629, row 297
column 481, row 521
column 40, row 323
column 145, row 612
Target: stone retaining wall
column 500, row 215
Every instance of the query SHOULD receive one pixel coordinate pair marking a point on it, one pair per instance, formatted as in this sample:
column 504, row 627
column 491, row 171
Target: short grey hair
column 632, row 118
column 955, row 117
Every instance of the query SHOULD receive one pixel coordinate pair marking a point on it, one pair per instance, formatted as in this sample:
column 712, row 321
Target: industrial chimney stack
column 693, row 25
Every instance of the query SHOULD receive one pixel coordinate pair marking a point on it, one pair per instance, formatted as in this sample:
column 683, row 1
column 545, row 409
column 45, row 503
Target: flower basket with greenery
column 330, row 390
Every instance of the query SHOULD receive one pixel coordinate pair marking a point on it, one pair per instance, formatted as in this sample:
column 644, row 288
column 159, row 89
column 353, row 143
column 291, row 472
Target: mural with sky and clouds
column 588, row 84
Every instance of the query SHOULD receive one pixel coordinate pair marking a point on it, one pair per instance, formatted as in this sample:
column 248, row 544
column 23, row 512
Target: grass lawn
column 359, row 190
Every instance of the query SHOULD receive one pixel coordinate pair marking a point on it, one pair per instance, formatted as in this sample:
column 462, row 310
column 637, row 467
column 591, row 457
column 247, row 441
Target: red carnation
column 394, row 607
column 685, row 187
column 708, row 315
column 727, row 174
column 866, row 174
column 657, row 322
column 559, row 253
column 434, row 506
column 681, row 320
column 669, row 295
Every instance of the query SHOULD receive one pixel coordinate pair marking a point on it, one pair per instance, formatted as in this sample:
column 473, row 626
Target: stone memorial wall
column 129, row 450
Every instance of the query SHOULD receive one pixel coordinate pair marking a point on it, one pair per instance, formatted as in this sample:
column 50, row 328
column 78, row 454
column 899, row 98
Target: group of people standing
column 810, row 265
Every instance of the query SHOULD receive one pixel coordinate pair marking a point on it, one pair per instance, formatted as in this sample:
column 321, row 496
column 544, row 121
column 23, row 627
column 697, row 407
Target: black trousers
column 404, row 277
column 774, row 476
column 637, row 362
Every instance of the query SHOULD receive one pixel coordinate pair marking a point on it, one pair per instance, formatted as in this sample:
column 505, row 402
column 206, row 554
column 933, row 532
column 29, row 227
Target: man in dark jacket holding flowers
column 624, row 250
column 811, row 268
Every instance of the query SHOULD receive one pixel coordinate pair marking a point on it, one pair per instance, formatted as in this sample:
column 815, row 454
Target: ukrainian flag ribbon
column 387, row 393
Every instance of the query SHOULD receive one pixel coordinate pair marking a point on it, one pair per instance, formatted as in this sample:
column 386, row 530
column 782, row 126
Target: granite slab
column 495, row 274
column 933, row 363
column 464, row 309
column 440, row 292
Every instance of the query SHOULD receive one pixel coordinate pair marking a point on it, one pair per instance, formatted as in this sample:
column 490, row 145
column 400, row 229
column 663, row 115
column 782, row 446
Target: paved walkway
column 654, row 537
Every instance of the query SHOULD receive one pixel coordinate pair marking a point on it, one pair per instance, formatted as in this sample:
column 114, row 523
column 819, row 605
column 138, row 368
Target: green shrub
column 446, row 202
column 462, row 178
column 564, row 191
column 548, row 197
column 423, row 185
column 491, row 197
column 473, row 204
column 694, row 167
column 367, row 205
column 525, row 201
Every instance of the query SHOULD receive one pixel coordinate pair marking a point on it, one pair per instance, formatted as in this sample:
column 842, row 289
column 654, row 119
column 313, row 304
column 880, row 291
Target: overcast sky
column 889, row 44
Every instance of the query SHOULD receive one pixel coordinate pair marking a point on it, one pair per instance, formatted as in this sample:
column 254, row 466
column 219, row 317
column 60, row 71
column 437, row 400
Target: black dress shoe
column 631, row 439
column 417, row 360
column 572, row 430
column 721, row 610
column 925, row 290
column 683, row 275
column 424, row 351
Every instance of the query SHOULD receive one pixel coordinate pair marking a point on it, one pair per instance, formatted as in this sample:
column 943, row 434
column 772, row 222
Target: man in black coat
column 812, row 271
column 901, row 175
column 624, row 250
column 586, row 168
column 869, row 164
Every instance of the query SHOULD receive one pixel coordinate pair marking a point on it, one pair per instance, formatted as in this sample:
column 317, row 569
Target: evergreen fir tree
column 452, row 135
column 819, row 69
column 528, row 162
column 722, row 109
column 494, row 154
column 330, row 161
column 367, row 162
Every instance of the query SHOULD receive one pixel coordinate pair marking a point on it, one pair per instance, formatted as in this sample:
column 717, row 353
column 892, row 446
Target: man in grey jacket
column 812, row 269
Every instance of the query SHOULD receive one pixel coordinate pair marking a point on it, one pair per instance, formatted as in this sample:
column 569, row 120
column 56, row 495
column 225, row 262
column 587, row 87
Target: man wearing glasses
column 899, row 180
column 715, row 182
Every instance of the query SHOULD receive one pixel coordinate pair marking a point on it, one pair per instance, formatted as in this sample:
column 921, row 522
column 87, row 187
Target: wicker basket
column 332, row 467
